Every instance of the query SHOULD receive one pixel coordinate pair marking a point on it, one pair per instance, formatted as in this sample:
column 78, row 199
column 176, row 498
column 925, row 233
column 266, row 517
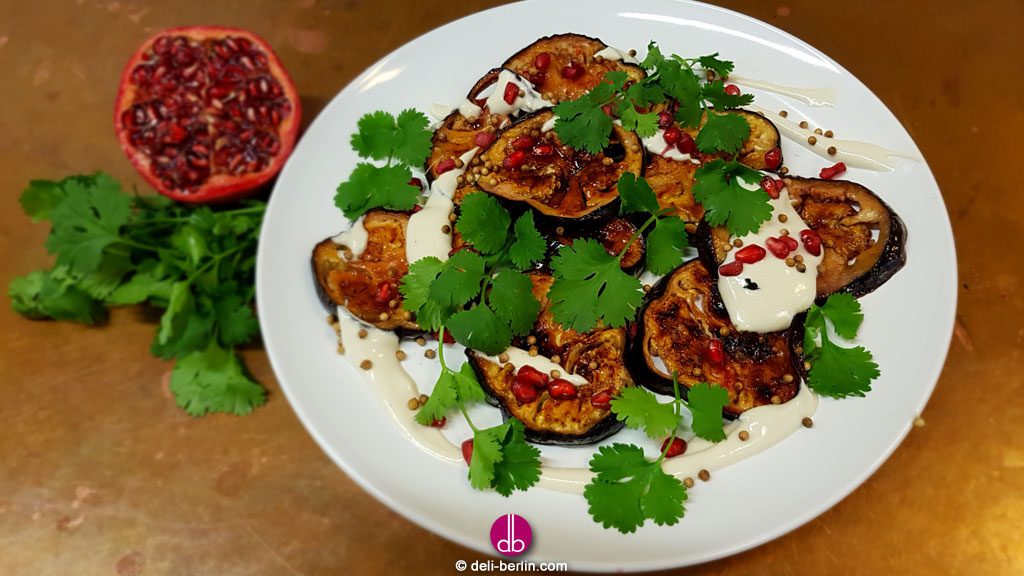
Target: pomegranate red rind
column 206, row 114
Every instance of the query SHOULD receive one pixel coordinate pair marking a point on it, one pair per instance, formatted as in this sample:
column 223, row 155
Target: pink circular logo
column 511, row 535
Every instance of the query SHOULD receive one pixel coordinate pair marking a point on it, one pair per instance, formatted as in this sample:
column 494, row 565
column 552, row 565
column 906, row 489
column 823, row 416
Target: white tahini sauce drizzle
column 766, row 425
column 549, row 124
column 519, row 357
column 610, row 53
column 782, row 291
column 355, row 239
column 469, row 109
column 824, row 96
column 391, row 382
column 656, row 144
column 424, row 234
column 530, row 101
column 854, row 153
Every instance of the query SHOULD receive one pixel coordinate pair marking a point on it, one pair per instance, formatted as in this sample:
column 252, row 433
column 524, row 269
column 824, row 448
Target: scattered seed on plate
column 366, row 364
column 421, row 341
column 807, row 422
column 688, row 482
column 401, row 355
column 430, row 353
column 704, row 475
column 362, row 333
column 413, row 403
column 744, row 435
column 424, row 398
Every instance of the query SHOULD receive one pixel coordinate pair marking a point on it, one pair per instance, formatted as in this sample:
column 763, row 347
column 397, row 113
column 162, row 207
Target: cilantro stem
column 675, row 407
column 214, row 260
column 650, row 220
column 445, row 368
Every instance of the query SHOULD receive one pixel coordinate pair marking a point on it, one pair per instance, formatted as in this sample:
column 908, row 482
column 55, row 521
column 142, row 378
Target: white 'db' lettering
column 510, row 544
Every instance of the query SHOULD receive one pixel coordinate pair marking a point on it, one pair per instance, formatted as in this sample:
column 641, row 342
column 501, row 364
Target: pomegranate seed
column 812, row 242
column 832, row 171
column 672, row 136
column 385, row 292
column 686, row 144
column 511, row 93
column 514, row 160
column 573, row 71
column 414, row 181
column 750, row 254
column 791, row 242
column 444, row 166
column 467, row 450
column 732, row 90
column 562, row 389
column 416, row 209
column 530, row 376
column 777, row 247
column 664, row 120
column 524, row 393
column 731, row 269
column 773, row 158
column 543, row 150
column 607, row 109
column 484, row 139
column 440, row 423
column 715, row 352
column 601, row 400
column 542, row 61
column 768, row 184
column 678, row 447
column 538, row 78
column 523, row 143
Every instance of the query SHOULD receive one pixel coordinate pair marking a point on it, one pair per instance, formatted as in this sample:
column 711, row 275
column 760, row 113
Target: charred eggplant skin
column 752, row 346
column 891, row 256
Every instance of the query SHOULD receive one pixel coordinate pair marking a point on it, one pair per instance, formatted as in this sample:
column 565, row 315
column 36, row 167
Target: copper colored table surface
column 101, row 474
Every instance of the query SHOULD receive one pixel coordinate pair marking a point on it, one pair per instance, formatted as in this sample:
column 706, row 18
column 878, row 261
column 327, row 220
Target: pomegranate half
column 206, row 114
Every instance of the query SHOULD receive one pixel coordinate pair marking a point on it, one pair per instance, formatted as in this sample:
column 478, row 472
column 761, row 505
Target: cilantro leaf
column 836, row 371
column 679, row 83
column 371, row 186
column 528, row 245
column 645, row 124
column 413, row 137
column 481, row 329
column 726, row 201
column 40, row 198
column 628, row 489
column 654, row 56
column 415, row 285
column 581, row 123
column 635, row 195
column 443, row 398
column 52, row 294
column 235, row 319
column 151, row 280
column 705, row 402
column 86, row 222
column 459, row 279
column 486, row 453
column 483, row 222
column 841, row 372
column 467, row 387
column 640, row 409
column 711, row 62
column 519, row 467
column 714, row 92
column 590, row 286
column 722, row 132
column 666, row 244
column 213, row 380
column 376, row 136
column 511, row 298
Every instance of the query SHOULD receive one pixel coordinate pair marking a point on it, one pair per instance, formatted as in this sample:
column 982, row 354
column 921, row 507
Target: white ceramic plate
column 908, row 321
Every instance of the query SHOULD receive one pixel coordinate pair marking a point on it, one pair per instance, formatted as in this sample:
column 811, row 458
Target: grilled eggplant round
column 567, row 50
column 683, row 328
column 367, row 285
column 557, row 180
column 672, row 180
column 847, row 216
column 598, row 356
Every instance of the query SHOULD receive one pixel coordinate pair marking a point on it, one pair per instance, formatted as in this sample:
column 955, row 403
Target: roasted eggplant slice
column 685, row 329
column 533, row 166
column 672, row 180
column 847, row 216
column 572, row 51
column 614, row 234
column 367, row 285
column 598, row 356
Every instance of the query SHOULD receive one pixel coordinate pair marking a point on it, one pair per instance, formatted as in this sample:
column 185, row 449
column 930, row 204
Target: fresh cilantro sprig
column 402, row 143
column 197, row 264
column 586, row 123
column 501, row 459
column 836, row 371
column 726, row 201
column 628, row 489
column 590, row 285
column 480, row 294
